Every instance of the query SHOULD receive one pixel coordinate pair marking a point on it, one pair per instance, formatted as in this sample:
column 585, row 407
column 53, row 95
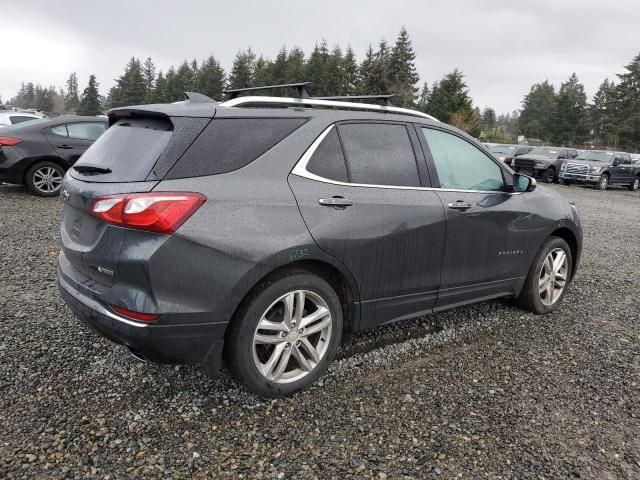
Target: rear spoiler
column 196, row 106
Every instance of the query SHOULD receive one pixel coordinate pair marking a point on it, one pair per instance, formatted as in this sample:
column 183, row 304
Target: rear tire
column 44, row 179
column 548, row 268
column 291, row 351
column 603, row 183
column 549, row 175
column 635, row 185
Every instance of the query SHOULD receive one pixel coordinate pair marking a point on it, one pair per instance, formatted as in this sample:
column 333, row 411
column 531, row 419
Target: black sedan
column 37, row 153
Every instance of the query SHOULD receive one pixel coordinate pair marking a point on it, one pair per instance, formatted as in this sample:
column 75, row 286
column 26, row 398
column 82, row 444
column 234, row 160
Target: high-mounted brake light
column 9, row 142
column 161, row 212
column 145, row 317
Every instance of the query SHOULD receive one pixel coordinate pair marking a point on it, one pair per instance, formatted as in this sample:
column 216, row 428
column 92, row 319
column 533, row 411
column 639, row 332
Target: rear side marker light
column 160, row 212
column 9, row 142
column 145, row 317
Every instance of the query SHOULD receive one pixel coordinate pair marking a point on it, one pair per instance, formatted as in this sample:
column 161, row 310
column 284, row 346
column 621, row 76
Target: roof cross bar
column 300, row 88
column 386, row 99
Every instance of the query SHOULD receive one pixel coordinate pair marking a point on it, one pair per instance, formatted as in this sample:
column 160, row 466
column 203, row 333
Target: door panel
column 66, row 147
column 391, row 239
column 486, row 245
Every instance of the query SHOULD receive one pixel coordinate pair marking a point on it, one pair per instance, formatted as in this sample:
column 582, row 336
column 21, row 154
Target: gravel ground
column 481, row 391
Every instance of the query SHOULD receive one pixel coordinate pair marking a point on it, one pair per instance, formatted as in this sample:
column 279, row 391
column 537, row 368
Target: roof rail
column 315, row 102
column 300, row 88
column 385, row 98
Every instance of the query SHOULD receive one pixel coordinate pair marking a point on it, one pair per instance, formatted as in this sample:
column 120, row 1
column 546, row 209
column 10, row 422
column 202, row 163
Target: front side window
column 460, row 165
column 85, row 130
column 379, row 154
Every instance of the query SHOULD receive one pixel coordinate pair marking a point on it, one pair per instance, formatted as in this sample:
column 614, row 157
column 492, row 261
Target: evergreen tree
column 91, row 101
column 71, row 99
column 262, row 74
column 159, row 92
column 627, row 111
column 423, row 99
column 377, row 82
column 279, row 70
column 539, row 109
column 570, row 126
column 316, row 70
column 489, row 118
column 211, row 78
column 403, row 76
column 349, row 79
column 295, row 71
column 44, row 99
column 149, row 75
column 364, row 71
column 450, row 96
column 602, row 114
column 184, row 80
column 243, row 69
column 130, row 88
column 333, row 72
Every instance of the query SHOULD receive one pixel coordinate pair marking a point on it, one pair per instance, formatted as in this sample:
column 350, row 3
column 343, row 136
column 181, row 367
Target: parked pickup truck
column 602, row 169
column 543, row 162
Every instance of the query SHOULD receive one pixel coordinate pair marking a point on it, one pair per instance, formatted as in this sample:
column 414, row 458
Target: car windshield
column 550, row 152
column 21, row 125
column 595, row 156
column 503, row 149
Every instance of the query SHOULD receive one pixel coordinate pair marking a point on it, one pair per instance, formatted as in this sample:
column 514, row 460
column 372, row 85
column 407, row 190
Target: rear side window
column 129, row 148
column 232, row 143
column 19, row 119
column 85, row 130
column 379, row 154
column 328, row 159
column 60, row 130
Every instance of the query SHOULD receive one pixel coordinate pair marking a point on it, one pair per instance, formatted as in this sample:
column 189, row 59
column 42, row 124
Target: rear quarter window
column 228, row 144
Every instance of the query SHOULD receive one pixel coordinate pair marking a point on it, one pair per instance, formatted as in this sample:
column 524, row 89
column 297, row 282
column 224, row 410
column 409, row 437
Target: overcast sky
column 501, row 46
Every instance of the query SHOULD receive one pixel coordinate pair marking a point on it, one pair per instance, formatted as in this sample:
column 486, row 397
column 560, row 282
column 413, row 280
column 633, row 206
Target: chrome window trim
column 325, row 103
column 93, row 305
column 300, row 170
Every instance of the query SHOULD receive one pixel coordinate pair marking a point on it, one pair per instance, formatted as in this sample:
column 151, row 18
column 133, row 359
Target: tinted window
column 85, row 130
column 60, row 130
column 379, row 154
column 328, row 159
column 231, row 143
column 19, row 118
column 130, row 148
column 460, row 165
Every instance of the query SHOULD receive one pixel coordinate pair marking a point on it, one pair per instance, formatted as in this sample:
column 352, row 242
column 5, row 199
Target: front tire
column 549, row 175
column 44, row 179
column 603, row 183
column 635, row 185
column 285, row 334
column 548, row 278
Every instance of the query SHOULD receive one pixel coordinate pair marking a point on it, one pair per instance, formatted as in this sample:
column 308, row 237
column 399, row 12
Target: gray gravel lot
column 482, row 391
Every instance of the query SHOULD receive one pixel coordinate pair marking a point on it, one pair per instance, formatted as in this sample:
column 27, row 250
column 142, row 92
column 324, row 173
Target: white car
column 11, row 118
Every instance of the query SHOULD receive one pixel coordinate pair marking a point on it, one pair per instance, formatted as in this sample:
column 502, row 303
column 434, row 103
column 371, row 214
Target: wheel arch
column 45, row 158
column 572, row 240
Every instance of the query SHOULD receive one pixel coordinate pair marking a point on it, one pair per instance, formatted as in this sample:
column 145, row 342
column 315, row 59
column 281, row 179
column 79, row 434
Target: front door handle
column 460, row 205
column 335, row 202
column 65, row 147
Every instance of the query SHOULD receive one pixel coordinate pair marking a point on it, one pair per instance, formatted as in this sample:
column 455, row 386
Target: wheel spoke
column 288, row 309
column 550, row 291
column 304, row 363
column 542, row 286
column 267, row 339
column 282, row 364
column 269, row 325
column 267, row 368
column 299, row 306
column 318, row 327
column 313, row 317
column 558, row 262
column 310, row 349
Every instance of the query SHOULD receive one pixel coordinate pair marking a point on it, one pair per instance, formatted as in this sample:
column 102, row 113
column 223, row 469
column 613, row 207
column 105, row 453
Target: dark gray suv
column 260, row 229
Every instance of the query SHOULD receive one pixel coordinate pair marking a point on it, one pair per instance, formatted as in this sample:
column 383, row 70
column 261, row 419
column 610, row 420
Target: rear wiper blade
column 91, row 169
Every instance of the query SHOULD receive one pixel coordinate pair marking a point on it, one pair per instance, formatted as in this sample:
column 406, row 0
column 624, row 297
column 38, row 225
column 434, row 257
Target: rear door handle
column 459, row 205
column 65, row 147
column 336, row 202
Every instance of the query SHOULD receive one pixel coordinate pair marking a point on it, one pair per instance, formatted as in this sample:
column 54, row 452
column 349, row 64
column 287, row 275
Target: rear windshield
column 129, row 148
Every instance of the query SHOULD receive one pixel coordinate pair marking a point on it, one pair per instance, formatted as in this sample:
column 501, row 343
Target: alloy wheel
column 636, row 184
column 292, row 336
column 604, row 181
column 47, row 179
column 553, row 276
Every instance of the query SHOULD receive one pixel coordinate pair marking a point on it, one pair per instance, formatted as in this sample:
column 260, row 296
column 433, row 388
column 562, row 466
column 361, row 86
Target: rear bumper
column 191, row 344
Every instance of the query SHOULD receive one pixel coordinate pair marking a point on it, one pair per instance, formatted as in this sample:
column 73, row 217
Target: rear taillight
column 9, row 142
column 161, row 212
column 145, row 317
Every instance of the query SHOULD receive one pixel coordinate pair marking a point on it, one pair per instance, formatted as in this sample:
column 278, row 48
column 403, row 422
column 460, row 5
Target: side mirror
column 523, row 183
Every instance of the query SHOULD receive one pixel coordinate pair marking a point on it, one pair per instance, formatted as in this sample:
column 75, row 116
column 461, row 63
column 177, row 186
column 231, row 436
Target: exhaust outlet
column 136, row 354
